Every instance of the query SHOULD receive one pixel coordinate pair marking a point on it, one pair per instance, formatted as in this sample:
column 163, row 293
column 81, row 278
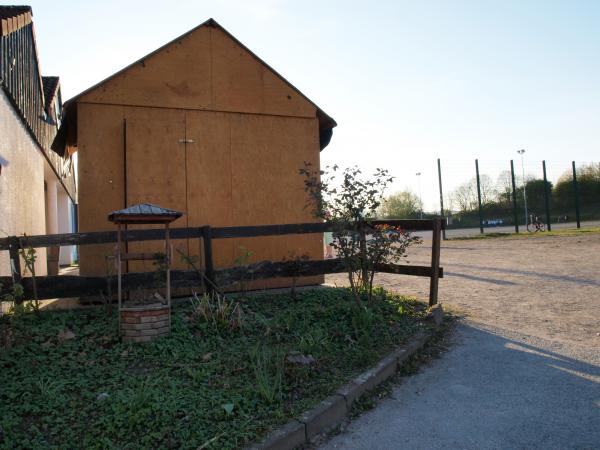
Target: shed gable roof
column 136, row 74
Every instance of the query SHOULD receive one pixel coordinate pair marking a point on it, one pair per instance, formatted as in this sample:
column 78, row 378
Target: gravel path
column 525, row 370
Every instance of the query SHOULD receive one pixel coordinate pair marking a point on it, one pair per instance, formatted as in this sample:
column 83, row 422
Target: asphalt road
column 493, row 390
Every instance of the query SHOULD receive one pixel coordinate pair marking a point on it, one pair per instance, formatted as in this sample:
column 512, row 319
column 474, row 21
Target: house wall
column 21, row 184
column 65, row 225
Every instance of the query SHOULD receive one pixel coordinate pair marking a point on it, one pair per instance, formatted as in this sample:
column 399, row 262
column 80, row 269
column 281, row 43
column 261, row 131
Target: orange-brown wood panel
column 178, row 76
column 240, row 82
column 267, row 153
column 156, row 172
column 100, row 175
column 204, row 70
column 209, row 178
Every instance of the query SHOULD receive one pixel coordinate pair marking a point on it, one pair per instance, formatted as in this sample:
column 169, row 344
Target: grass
column 201, row 386
column 526, row 234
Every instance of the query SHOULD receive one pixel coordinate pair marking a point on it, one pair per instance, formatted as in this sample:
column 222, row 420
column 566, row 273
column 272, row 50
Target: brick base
column 144, row 323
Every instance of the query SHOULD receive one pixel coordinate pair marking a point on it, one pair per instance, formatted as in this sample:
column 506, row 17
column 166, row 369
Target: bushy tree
column 350, row 201
column 536, row 200
column 588, row 183
column 400, row 205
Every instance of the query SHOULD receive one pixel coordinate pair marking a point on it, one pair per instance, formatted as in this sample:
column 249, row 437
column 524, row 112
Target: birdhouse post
column 149, row 319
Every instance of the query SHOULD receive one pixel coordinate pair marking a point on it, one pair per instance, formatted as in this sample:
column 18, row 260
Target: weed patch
column 210, row 383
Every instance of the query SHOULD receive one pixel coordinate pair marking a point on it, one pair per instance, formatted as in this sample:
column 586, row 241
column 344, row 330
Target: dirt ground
column 545, row 287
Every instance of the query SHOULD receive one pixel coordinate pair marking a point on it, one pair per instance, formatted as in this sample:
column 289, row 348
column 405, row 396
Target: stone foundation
column 145, row 322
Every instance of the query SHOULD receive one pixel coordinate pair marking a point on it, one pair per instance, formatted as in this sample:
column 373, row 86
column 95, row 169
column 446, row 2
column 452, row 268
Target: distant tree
column 401, row 205
column 465, row 195
column 588, row 181
column 590, row 172
column 535, row 195
column 504, row 188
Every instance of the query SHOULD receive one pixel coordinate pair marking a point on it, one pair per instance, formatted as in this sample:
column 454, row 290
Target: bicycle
column 535, row 224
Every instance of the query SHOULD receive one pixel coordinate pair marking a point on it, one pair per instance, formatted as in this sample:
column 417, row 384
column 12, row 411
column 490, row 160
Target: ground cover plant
column 68, row 382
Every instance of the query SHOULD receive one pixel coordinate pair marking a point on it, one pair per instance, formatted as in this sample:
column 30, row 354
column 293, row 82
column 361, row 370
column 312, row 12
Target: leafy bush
column 216, row 311
column 350, row 204
column 362, row 321
column 313, row 341
column 267, row 366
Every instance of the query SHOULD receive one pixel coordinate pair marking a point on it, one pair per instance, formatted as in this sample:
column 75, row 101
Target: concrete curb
column 334, row 409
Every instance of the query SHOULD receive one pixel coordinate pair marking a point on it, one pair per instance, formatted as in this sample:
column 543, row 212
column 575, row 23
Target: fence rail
column 107, row 237
column 82, row 286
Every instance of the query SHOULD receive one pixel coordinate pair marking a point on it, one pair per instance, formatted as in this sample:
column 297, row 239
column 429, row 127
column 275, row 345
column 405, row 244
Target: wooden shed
column 204, row 126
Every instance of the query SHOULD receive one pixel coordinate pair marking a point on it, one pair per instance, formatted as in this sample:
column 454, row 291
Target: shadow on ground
column 492, row 391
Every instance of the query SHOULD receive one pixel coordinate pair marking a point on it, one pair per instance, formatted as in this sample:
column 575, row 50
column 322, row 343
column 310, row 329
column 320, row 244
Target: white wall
column 65, row 221
column 21, row 184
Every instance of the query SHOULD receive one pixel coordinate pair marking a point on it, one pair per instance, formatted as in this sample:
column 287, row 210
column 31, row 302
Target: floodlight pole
column 522, row 152
column 418, row 174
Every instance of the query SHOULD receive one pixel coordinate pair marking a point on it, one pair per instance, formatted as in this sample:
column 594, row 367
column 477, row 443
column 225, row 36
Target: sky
column 407, row 81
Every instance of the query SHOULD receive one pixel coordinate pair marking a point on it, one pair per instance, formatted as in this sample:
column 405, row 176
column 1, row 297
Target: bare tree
column 465, row 195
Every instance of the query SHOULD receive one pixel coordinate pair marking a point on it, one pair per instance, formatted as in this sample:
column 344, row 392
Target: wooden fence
column 79, row 286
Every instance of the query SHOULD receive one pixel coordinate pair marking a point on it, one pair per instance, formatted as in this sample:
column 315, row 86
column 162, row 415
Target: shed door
column 209, row 181
column 156, row 171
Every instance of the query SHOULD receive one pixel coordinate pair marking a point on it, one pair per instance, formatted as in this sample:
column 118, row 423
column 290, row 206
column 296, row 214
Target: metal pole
column 418, row 174
column 479, row 197
column 576, row 189
column 441, row 197
column 546, row 197
column 514, row 195
column 522, row 152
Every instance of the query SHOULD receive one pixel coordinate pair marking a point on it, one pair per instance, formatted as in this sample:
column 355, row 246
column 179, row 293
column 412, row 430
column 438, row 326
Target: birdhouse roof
column 144, row 213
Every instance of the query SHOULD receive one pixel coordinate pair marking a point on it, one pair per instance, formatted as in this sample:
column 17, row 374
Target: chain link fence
column 495, row 196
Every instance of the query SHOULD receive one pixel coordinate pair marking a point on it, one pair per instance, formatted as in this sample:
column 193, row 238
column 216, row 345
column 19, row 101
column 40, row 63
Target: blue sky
column 407, row 81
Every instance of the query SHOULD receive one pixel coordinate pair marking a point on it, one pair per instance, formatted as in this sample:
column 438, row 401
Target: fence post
column 546, row 197
column 576, row 190
column 441, row 197
column 514, row 195
column 208, row 257
column 479, row 197
column 435, row 261
column 15, row 260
